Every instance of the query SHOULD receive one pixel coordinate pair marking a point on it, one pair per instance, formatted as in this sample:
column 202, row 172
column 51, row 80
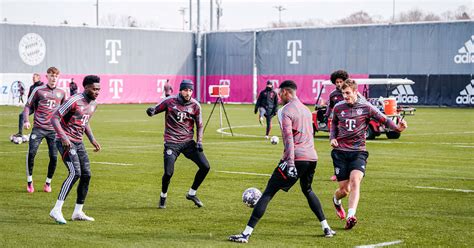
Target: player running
column 44, row 100
column 349, row 123
column 299, row 161
column 337, row 78
column 182, row 112
column 71, row 121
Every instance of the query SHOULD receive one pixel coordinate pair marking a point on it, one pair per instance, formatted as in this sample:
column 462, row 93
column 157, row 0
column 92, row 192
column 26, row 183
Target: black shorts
column 188, row 148
column 346, row 161
column 305, row 170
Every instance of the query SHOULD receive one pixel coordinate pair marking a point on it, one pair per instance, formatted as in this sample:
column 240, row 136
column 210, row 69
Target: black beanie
column 186, row 84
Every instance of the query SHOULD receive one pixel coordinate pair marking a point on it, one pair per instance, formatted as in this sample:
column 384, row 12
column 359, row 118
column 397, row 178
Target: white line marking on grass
column 380, row 244
column 244, row 173
column 124, row 121
column 221, row 130
column 465, row 146
column 424, row 134
column 448, row 189
column 110, row 163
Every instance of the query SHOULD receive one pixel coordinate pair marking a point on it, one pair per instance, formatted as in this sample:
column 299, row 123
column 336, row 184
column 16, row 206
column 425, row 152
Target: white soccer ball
column 17, row 140
column 251, row 196
column 25, row 138
column 274, row 140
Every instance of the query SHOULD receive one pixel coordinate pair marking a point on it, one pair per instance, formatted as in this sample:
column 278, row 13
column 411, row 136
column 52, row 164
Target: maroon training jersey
column 180, row 118
column 335, row 97
column 45, row 100
column 74, row 116
column 297, row 132
column 350, row 122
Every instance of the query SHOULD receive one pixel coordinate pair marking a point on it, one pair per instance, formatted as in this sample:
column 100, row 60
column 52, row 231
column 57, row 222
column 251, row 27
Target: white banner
column 9, row 87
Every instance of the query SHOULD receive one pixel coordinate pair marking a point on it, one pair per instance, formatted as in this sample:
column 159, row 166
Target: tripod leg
column 210, row 115
column 227, row 118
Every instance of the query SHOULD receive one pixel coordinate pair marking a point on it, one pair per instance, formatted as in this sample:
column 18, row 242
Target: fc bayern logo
column 32, row 49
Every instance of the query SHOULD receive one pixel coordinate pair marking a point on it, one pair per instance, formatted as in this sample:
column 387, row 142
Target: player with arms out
column 44, row 100
column 181, row 113
column 299, row 161
column 347, row 137
column 71, row 121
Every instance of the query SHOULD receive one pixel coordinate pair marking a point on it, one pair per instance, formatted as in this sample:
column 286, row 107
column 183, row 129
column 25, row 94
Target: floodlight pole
column 97, row 13
column 280, row 8
column 211, row 15
column 198, row 52
column 190, row 15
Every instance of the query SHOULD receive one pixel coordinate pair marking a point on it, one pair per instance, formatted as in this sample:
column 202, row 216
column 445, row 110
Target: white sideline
column 448, row 189
column 380, row 244
column 221, row 130
column 109, row 163
column 244, row 173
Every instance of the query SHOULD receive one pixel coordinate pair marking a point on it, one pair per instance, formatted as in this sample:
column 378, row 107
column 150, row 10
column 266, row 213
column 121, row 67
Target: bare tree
column 360, row 17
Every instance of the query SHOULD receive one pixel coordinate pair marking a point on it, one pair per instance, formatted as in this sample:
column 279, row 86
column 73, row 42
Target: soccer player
column 21, row 90
column 44, row 100
column 182, row 112
column 299, row 161
column 36, row 83
column 337, row 78
column 267, row 106
column 71, row 121
column 349, row 123
column 72, row 88
column 167, row 88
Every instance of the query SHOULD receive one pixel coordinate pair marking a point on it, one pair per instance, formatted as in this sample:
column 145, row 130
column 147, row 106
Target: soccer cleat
column 333, row 178
column 239, row 238
column 195, row 200
column 260, row 120
column 57, row 216
column 162, row 204
column 81, row 216
column 30, row 188
column 47, row 188
column 329, row 233
column 350, row 223
column 339, row 211
column 266, row 137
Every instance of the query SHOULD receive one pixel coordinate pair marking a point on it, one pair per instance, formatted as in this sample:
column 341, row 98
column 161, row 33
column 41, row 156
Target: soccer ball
column 17, row 140
column 25, row 138
column 274, row 140
column 251, row 196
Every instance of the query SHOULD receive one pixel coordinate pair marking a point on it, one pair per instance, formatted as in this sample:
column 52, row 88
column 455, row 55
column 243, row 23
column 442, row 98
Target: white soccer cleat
column 81, row 216
column 57, row 216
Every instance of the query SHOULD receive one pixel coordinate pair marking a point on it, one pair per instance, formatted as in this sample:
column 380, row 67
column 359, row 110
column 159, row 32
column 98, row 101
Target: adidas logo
column 405, row 94
column 466, row 96
column 466, row 53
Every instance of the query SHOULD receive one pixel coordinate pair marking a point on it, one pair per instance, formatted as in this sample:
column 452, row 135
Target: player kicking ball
column 349, row 155
column 299, row 161
column 71, row 121
column 181, row 113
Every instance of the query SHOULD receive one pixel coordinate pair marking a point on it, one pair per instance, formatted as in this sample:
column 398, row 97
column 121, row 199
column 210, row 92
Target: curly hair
column 339, row 74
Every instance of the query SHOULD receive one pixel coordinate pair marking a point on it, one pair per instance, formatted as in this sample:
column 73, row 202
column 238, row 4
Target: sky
column 237, row 14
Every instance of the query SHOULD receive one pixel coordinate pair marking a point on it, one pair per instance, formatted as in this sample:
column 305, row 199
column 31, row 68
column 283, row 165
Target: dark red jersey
column 72, row 118
column 180, row 118
column 45, row 101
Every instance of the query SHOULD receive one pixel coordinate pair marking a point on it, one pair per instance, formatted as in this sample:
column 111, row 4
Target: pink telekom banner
column 309, row 86
column 126, row 88
column 241, row 87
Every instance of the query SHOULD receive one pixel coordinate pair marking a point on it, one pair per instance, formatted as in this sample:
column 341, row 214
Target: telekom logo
column 294, row 50
column 116, row 87
column 160, row 84
column 316, row 87
column 113, row 48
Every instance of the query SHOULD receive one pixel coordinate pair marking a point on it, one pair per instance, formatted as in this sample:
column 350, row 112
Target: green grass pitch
column 437, row 150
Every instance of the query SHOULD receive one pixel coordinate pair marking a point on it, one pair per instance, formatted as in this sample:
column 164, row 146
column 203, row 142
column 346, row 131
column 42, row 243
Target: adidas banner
column 440, row 90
